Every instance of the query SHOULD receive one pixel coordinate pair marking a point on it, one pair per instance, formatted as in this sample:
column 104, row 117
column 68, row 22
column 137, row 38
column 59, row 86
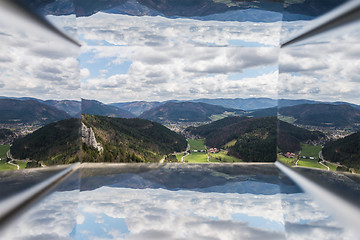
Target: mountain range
column 94, row 107
column 301, row 111
column 185, row 112
column 29, row 111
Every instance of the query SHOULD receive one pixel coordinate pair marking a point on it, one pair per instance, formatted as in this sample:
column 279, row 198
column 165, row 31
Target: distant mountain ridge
column 137, row 108
column 71, row 107
column 94, row 107
column 29, row 111
column 185, row 112
column 247, row 104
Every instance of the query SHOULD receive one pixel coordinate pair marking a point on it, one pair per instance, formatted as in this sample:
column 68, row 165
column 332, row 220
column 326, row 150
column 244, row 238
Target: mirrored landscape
column 177, row 112
column 174, row 201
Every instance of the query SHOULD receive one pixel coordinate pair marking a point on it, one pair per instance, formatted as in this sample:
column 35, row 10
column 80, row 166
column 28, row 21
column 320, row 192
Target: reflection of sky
column 128, row 213
column 193, row 215
column 161, row 58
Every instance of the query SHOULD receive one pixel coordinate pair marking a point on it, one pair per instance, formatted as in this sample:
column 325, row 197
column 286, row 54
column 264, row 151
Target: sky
column 154, row 58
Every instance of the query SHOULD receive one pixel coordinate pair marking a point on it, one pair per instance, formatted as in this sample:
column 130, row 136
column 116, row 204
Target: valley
column 162, row 131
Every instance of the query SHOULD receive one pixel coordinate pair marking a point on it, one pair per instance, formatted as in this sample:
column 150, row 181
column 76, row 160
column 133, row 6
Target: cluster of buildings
column 213, row 150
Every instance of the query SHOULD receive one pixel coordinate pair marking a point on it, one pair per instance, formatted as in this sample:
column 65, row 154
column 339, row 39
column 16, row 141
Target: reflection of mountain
column 326, row 115
column 238, row 178
column 29, row 111
column 185, row 112
column 94, row 107
column 131, row 140
column 55, row 143
column 294, row 10
column 345, row 151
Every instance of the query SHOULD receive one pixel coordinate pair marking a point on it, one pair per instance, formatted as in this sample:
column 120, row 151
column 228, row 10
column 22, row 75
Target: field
column 3, row 165
column 223, row 156
column 3, row 151
column 179, row 156
column 196, row 144
column 287, row 119
column 310, row 163
column 196, row 158
column 310, row 151
column 331, row 166
column 285, row 160
column 216, row 117
column 231, row 143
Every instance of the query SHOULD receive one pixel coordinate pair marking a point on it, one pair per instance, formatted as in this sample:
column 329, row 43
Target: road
column 322, row 161
column 186, row 151
column 8, row 154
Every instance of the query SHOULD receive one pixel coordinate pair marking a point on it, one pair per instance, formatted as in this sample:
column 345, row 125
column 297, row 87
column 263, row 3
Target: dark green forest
column 345, row 151
column 55, row 143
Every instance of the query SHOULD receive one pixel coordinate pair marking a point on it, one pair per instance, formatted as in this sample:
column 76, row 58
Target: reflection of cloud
column 38, row 65
column 304, row 219
column 159, row 31
column 52, row 218
column 164, row 214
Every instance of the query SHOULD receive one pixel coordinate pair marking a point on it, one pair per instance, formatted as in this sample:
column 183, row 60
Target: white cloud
column 52, row 218
column 159, row 31
column 328, row 71
column 184, row 214
column 38, row 66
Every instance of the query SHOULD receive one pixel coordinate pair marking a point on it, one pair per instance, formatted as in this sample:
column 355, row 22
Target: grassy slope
column 310, row 151
column 196, row 158
column 224, row 157
column 196, row 144
column 310, row 163
column 3, row 165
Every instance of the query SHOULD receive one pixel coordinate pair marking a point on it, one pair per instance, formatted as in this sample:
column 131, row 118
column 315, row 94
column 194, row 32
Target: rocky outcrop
column 88, row 137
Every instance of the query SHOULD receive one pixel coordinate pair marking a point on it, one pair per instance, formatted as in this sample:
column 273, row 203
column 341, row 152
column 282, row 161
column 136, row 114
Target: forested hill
column 290, row 136
column 250, row 139
column 55, row 143
column 29, row 111
column 253, row 139
column 185, row 112
column 345, row 151
column 131, row 140
column 98, row 108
